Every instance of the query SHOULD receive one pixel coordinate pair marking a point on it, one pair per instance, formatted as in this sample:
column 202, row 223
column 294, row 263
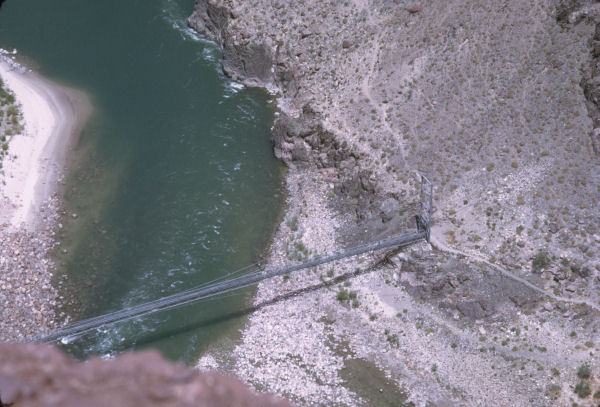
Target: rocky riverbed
column 489, row 101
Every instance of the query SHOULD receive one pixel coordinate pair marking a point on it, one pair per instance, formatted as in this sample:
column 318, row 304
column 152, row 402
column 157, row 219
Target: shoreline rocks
column 28, row 297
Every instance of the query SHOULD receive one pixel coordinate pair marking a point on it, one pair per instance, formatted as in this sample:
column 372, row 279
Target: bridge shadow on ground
column 146, row 340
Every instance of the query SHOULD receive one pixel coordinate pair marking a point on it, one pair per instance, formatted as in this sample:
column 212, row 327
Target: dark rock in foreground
column 37, row 375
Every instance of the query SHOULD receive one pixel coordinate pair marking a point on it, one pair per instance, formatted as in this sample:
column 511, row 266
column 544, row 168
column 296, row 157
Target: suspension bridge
column 230, row 283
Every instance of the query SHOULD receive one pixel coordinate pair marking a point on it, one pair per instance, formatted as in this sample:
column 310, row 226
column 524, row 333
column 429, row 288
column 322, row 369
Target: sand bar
column 52, row 115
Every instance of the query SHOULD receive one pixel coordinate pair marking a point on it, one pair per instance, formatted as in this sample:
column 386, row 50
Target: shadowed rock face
column 37, row 375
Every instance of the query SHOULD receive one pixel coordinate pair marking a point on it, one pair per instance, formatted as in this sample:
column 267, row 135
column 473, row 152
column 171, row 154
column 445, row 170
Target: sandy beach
column 52, row 115
column 29, row 207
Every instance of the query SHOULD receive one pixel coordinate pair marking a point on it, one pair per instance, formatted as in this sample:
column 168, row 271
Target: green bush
column 343, row 295
column 539, row 262
column 392, row 339
column 582, row 389
column 12, row 111
column 584, row 371
column 348, row 298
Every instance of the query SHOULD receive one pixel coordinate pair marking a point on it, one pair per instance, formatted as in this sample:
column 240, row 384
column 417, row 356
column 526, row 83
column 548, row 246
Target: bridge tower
column 425, row 207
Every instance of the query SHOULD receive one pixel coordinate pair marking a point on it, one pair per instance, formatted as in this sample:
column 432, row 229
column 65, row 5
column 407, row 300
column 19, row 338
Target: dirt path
column 373, row 61
column 437, row 244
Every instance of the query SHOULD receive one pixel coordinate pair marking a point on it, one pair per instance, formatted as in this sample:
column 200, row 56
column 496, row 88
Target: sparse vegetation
column 10, row 119
column 293, row 223
column 391, row 338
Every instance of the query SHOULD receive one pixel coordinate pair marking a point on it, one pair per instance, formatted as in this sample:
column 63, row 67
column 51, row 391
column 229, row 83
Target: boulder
column 300, row 151
column 476, row 309
column 389, row 209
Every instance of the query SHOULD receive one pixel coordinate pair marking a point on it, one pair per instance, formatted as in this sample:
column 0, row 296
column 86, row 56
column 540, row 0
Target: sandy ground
column 52, row 115
column 29, row 204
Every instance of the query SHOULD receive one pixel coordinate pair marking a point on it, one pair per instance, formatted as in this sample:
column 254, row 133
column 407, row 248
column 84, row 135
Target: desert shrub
column 343, row 295
column 539, row 262
column 584, row 371
column 582, row 389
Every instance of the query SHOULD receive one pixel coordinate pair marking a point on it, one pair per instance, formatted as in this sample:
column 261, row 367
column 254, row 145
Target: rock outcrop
column 572, row 12
column 243, row 61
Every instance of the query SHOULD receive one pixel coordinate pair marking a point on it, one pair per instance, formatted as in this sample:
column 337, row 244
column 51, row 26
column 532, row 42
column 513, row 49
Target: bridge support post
column 425, row 207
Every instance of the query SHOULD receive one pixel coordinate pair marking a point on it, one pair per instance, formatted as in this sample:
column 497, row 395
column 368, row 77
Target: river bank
column 371, row 93
column 32, row 170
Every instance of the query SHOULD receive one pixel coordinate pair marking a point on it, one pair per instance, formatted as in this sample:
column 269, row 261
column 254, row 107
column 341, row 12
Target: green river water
column 173, row 180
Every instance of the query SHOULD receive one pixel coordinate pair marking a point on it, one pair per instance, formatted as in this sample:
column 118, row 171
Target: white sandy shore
column 52, row 115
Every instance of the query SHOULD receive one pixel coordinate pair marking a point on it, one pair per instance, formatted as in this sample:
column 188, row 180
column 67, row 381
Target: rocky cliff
column 300, row 137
